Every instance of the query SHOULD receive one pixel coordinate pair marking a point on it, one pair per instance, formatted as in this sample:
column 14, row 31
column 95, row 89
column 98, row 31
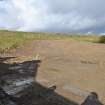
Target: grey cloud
column 76, row 16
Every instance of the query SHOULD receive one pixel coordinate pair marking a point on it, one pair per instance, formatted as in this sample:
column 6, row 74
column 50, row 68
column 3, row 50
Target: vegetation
column 11, row 40
column 102, row 39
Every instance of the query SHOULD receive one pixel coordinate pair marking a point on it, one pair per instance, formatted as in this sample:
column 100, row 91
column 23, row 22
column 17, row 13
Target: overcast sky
column 74, row 16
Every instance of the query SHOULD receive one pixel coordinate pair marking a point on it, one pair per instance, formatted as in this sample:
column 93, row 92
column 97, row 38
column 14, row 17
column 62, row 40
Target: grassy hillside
column 10, row 40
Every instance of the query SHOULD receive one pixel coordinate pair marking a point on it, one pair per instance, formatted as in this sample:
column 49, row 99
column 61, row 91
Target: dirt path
column 75, row 67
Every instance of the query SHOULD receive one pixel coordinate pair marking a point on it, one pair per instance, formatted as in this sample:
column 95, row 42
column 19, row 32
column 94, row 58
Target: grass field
column 10, row 40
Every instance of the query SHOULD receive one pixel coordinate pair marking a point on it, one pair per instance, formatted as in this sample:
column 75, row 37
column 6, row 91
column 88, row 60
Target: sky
column 68, row 16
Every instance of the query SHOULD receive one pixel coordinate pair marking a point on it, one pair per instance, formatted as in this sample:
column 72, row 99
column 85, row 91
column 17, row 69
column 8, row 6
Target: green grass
column 12, row 40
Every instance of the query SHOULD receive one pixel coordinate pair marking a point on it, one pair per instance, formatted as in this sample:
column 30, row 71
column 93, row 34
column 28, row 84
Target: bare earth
column 76, row 68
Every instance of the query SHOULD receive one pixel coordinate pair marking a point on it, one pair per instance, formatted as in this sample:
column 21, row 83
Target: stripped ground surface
column 76, row 68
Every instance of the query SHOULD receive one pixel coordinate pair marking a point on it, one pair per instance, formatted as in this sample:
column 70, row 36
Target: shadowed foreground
column 18, row 81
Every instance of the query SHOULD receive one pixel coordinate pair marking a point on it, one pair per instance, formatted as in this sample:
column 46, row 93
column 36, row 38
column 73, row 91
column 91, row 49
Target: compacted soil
column 76, row 68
